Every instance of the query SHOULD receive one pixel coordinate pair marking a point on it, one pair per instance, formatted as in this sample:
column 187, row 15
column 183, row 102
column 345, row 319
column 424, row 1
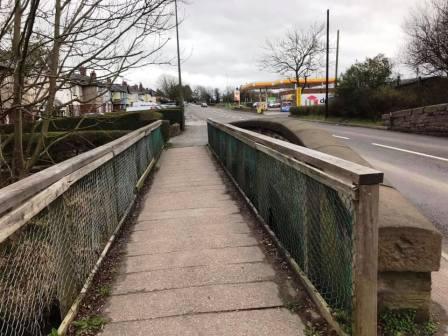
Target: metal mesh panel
column 313, row 221
column 44, row 265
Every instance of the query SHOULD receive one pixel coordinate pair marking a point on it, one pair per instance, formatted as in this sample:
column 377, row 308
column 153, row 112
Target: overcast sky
column 221, row 40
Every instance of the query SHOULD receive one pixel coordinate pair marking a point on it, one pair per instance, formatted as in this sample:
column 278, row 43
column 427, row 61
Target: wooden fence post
column 365, row 261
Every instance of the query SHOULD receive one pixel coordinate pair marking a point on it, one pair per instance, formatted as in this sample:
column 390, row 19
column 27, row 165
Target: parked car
column 204, row 105
column 274, row 105
column 286, row 106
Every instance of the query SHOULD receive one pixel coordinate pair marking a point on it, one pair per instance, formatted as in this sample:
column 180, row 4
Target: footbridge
column 249, row 235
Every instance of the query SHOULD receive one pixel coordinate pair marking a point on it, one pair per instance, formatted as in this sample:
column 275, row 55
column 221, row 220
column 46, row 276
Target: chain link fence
column 44, row 264
column 313, row 221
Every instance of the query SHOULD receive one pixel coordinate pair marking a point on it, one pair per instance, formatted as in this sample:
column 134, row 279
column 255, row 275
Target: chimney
column 93, row 75
column 82, row 71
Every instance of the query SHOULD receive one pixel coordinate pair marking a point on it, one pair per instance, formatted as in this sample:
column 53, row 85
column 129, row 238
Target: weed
column 344, row 319
column 54, row 332
column 293, row 306
column 311, row 331
column 104, row 291
column 402, row 323
column 92, row 323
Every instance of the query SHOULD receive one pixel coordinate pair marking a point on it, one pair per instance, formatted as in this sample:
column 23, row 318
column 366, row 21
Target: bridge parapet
column 57, row 225
column 409, row 244
column 322, row 211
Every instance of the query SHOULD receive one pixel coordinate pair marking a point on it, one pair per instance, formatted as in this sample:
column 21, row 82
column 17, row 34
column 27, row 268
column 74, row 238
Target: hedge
column 307, row 110
column 109, row 121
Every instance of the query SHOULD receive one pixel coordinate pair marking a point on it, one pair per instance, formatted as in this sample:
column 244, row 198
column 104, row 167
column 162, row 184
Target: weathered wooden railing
column 57, row 225
column 322, row 212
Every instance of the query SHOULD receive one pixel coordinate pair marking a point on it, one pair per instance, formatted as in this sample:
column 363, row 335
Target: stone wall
column 431, row 120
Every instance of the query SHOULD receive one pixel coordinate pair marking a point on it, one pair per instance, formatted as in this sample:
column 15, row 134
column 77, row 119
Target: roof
column 119, row 88
column 85, row 80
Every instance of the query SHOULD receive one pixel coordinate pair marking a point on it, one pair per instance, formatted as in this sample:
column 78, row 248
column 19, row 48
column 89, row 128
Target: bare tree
column 169, row 86
column 298, row 54
column 427, row 30
column 107, row 36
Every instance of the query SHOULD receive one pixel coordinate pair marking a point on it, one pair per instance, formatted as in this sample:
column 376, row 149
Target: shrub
column 370, row 103
column 307, row 110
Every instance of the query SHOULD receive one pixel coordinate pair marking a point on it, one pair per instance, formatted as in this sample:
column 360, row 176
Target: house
column 35, row 86
column 119, row 96
column 146, row 95
column 124, row 95
column 137, row 93
column 134, row 93
column 83, row 94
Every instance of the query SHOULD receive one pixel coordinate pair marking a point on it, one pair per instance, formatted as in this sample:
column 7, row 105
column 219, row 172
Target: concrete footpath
column 194, row 265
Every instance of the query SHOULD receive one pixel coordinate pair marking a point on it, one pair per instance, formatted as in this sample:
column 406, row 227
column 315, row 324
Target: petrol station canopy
column 286, row 83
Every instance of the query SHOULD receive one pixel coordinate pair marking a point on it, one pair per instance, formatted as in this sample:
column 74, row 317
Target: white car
column 204, row 105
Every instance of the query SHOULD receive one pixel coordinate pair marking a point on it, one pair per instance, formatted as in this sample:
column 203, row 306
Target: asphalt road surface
column 416, row 165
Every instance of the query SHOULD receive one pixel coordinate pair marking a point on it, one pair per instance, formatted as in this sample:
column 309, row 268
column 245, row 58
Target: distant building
column 119, row 94
column 83, row 94
column 30, row 95
column 124, row 95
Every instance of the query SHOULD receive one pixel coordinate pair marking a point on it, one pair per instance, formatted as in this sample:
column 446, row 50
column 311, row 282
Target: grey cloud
column 222, row 40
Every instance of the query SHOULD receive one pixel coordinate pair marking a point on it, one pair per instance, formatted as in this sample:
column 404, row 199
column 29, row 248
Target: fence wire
column 313, row 221
column 44, row 265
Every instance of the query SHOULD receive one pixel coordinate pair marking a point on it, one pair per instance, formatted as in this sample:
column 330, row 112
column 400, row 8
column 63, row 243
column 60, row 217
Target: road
column 196, row 116
column 416, row 165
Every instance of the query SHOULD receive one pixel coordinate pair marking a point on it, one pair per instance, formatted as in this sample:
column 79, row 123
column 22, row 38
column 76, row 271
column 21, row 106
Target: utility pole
column 328, row 64
column 181, row 90
column 337, row 60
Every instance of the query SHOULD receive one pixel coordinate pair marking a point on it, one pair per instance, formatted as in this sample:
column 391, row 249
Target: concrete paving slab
column 193, row 300
column 179, row 243
column 231, row 255
column 181, row 213
column 191, row 194
column 157, row 232
column 190, row 225
column 266, row 322
column 186, row 183
column 179, row 188
column 185, row 202
column 192, row 277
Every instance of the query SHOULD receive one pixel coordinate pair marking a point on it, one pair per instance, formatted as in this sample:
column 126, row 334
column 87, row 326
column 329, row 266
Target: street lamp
column 181, row 89
column 181, row 93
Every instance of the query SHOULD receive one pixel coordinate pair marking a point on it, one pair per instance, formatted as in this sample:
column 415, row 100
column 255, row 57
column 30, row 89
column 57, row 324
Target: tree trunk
column 18, row 160
column 52, row 88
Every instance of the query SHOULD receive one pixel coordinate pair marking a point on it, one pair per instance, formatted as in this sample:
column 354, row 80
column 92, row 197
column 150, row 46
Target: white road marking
column 411, row 152
column 341, row 137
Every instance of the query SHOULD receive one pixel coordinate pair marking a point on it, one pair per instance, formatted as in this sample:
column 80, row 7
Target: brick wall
column 431, row 120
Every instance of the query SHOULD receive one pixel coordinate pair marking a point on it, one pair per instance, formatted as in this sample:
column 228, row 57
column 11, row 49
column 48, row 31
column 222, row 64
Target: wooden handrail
column 348, row 171
column 14, row 194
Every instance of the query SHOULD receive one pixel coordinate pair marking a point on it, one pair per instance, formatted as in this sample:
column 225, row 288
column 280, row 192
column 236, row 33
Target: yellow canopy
column 283, row 83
